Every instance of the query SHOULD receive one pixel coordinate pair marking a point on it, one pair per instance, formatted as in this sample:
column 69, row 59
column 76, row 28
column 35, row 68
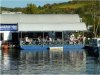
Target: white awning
column 52, row 27
column 44, row 22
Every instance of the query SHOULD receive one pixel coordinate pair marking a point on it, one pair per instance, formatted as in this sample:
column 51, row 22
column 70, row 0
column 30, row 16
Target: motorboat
column 95, row 42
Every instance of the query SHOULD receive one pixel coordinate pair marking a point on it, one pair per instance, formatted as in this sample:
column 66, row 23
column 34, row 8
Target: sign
column 8, row 27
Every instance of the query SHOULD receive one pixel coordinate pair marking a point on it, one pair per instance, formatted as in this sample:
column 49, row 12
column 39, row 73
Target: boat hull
column 41, row 47
column 91, row 47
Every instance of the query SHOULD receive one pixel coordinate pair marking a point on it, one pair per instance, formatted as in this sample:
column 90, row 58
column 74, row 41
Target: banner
column 8, row 27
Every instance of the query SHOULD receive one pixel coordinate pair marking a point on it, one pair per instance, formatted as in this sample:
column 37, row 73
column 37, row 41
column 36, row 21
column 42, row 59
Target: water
column 48, row 62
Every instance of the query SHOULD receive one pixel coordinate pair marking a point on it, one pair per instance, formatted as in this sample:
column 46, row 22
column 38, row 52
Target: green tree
column 31, row 9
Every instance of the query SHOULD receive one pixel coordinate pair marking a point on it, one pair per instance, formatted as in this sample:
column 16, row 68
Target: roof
column 39, row 18
column 53, row 27
column 44, row 22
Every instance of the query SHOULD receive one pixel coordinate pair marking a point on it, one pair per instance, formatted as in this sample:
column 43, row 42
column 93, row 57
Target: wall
column 7, row 35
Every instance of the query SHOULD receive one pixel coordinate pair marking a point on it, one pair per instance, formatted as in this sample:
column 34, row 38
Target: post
column 62, row 38
column 21, row 38
column 43, row 39
column 21, row 35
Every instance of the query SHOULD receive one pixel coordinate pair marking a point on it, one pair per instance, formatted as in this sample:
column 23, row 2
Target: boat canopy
column 44, row 22
column 52, row 27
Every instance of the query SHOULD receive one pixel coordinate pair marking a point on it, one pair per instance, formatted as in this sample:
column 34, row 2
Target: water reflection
column 0, row 62
column 48, row 62
column 6, row 60
column 92, row 61
column 9, row 63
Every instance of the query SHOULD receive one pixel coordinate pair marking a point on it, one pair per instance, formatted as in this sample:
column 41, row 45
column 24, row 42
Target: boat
column 93, row 44
column 34, row 31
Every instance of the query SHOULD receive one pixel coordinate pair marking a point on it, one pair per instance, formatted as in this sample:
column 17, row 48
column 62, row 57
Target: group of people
column 72, row 39
column 80, row 39
column 37, row 40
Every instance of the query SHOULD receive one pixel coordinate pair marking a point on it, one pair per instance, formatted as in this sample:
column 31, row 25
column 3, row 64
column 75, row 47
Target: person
column 47, row 39
column 30, row 41
column 39, row 39
column 50, row 39
column 72, row 39
column 79, row 39
column 26, row 40
column 83, row 39
column 21, row 41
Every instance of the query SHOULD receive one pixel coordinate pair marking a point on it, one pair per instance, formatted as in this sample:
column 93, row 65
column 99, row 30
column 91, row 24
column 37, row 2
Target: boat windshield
column 94, row 40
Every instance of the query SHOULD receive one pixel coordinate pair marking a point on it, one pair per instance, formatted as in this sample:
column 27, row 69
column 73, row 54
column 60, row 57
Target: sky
column 23, row 3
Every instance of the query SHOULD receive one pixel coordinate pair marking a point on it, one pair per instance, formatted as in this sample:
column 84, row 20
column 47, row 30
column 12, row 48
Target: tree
column 31, row 9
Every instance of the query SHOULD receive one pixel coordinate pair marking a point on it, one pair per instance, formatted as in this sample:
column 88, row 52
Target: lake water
column 70, row 61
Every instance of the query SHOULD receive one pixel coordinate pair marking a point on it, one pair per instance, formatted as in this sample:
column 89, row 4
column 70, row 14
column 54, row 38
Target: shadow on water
column 70, row 61
column 93, row 61
column 93, row 52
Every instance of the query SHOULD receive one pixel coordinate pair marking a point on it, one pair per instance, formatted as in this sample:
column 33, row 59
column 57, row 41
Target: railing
column 48, row 43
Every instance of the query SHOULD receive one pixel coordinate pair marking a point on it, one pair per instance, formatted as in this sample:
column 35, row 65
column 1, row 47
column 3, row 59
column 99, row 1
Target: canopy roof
column 52, row 27
column 44, row 22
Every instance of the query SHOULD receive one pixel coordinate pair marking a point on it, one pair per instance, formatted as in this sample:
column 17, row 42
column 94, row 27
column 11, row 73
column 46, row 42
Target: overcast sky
column 23, row 3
